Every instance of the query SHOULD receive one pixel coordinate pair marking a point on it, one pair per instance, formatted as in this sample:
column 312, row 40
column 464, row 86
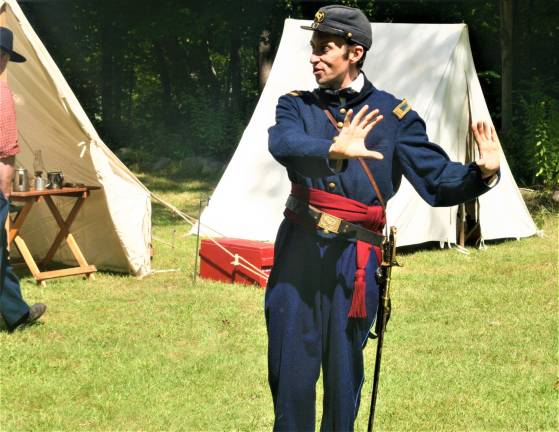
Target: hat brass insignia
column 319, row 16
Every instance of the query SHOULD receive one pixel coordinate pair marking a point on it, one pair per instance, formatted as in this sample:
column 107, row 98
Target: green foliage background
column 179, row 78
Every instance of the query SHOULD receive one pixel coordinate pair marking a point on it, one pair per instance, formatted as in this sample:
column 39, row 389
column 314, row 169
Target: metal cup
column 21, row 180
column 40, row 183
column 55, row 179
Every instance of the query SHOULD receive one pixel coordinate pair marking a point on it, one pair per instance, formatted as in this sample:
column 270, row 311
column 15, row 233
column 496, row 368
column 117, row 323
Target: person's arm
column 6, row 174
column 317, row 157
column 438, row 180
column 8, row 139
column 291, row 146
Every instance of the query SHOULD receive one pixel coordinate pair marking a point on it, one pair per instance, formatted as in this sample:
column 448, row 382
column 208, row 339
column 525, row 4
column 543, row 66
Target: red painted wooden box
column 217, row 264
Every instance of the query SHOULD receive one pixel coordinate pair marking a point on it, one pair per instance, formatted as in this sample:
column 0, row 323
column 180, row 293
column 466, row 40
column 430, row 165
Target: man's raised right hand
column 350, row 143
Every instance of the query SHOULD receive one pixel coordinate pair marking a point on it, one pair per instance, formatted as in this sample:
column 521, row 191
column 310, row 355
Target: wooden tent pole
column 3, row 75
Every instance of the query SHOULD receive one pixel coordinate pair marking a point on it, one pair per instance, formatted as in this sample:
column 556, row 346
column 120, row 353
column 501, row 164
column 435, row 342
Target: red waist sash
column 370, row 217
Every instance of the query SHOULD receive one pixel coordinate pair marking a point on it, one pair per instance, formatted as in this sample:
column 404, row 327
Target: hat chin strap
column 337, row 32
column 327, row 29
column 4, row 59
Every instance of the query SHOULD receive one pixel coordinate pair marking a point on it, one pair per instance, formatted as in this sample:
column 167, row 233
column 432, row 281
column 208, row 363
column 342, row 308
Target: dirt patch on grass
column 540, row 200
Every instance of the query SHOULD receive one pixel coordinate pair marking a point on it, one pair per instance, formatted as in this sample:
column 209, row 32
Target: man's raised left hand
column 489, row 149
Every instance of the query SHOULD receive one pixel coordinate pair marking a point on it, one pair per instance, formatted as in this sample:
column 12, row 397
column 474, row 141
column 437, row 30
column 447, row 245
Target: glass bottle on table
column 38, row 169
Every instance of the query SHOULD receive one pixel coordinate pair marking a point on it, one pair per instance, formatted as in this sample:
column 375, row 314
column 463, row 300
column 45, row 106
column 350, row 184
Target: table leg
column 73, row 245
column 18, row 221
column 7, row 226
column 14, row 225
column 64, row 232
column 27, row 257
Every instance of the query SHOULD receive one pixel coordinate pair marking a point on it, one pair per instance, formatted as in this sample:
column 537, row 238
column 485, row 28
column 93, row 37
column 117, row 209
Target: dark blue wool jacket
column 302, row 136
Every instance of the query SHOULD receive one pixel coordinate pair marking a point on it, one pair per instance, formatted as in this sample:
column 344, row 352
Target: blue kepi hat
column 347, row 22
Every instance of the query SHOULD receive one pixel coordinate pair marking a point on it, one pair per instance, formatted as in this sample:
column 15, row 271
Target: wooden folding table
column 80, row 194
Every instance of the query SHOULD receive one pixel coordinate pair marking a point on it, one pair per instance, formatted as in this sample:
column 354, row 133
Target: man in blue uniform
column 322, row 296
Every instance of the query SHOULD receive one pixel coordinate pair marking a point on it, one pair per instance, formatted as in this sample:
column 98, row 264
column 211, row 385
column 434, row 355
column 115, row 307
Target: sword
column 383, row 313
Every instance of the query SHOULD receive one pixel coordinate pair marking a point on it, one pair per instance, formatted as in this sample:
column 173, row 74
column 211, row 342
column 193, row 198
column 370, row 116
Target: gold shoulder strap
column 402, row 109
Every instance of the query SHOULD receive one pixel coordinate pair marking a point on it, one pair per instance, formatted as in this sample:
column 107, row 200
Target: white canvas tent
column 113, row 228
column 431, row 66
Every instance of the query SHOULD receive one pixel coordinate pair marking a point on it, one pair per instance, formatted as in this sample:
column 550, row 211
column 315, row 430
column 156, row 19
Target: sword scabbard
column 384, row 310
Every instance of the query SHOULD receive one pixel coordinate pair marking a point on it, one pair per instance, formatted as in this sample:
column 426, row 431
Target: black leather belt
column 332, row 224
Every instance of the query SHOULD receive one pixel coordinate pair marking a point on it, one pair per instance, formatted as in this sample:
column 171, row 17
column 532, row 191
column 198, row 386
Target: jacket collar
column 367, row 89
column 347, row 96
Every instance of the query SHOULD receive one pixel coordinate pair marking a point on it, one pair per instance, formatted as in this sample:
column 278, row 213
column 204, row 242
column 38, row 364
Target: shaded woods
column 181, row 78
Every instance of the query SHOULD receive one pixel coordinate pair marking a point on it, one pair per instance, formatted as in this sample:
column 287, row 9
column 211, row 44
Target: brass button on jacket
column 343, row 111
column 340, row 124
column 331, row 185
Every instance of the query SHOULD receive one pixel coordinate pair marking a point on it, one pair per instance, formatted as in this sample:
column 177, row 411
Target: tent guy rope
column 237, row 260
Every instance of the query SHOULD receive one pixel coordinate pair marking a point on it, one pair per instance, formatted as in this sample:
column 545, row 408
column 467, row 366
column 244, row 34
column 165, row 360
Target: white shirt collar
column 358, row 83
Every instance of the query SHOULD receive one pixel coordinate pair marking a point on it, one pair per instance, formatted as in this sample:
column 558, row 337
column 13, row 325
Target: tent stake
column 202, row 200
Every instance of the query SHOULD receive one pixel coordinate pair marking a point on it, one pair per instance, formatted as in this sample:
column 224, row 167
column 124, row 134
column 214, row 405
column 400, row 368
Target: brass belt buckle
column 329, row 223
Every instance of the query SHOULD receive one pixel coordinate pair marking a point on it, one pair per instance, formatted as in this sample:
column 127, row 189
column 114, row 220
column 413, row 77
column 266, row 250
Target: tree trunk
column 210, row 70
column 4, row 74
column 131, row 84
column 265, row 58
column 165, row 80
column 117, row 90
column 506, row 65
column 235, row 70
column 107, row 102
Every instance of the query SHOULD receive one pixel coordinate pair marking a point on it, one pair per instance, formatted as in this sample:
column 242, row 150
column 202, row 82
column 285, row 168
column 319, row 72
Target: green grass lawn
column 471, row 346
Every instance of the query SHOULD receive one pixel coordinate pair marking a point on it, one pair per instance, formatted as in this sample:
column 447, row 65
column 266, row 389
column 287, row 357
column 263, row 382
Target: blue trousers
column 13, row 308
column 307, row 301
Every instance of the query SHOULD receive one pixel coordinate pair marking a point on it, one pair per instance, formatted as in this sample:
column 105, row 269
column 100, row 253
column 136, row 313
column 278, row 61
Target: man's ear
column 356, row 53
